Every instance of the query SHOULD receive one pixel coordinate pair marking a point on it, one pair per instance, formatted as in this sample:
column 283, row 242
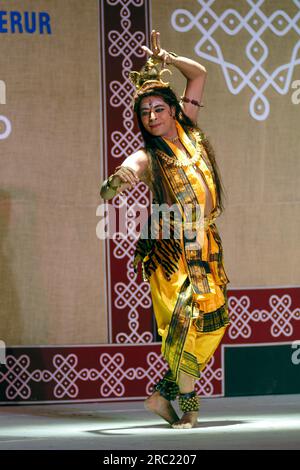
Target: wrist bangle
column 109, row 185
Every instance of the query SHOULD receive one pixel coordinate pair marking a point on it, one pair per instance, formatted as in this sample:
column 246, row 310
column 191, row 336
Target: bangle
column 109, row 185
column 194, row 102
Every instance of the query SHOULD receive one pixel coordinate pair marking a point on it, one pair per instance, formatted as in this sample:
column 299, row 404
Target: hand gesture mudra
column 156, row 51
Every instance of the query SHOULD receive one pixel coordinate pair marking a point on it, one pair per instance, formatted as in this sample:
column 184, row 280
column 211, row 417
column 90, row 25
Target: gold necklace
column 185, row 163
column 177, row 163
column 175, row 139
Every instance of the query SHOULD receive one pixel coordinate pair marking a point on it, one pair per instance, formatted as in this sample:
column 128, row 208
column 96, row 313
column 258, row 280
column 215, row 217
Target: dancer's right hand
column 125, row 175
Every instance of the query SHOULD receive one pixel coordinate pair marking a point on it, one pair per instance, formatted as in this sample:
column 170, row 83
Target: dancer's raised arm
column 194, row 73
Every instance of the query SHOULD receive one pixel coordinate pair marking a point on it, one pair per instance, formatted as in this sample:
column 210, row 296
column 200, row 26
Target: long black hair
column 151, row 142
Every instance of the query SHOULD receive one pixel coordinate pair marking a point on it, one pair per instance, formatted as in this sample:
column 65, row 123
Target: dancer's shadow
column 201, row 425
column 75, row 415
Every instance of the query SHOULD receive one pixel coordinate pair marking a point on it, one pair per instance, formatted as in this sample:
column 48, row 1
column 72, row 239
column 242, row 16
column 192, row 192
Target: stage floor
column 264, row 422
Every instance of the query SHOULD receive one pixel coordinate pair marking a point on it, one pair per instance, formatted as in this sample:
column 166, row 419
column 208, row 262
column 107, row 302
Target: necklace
column 175, row 139
column 186, row 162
column 177, row 163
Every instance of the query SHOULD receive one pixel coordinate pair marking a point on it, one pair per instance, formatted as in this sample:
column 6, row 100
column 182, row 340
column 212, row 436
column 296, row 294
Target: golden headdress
column 149, row 77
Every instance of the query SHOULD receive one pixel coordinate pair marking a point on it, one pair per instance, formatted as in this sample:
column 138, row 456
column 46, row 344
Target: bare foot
column 162, row 407
column 188, row 420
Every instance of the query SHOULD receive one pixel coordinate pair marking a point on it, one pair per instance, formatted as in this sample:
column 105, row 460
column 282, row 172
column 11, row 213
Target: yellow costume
column 186, row 274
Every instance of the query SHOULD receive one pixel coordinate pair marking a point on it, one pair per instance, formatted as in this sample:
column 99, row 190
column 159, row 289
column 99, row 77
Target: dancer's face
column 157, row 117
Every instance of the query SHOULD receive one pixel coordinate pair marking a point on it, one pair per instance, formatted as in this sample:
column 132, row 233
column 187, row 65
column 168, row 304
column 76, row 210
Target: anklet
column 188, row 402
column 168, row 389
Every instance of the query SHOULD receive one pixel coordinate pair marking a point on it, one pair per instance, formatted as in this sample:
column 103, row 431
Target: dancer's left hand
column 156, row 51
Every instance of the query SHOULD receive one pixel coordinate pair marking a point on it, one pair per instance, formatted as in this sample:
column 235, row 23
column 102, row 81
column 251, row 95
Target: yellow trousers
column 199, row 346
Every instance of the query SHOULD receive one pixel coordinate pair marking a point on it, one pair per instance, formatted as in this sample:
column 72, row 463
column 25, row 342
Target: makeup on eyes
column 158, row 108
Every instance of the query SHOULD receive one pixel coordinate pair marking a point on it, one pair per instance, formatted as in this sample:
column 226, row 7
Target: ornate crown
column 149, row 77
